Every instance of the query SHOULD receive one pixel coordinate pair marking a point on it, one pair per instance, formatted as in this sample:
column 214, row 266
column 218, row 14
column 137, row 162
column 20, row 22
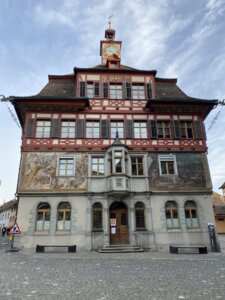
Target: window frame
column 142, row 211
column 138, row 133
column 172, row 206
column 167, row 158
column 64, row 210
column 68, row 129
column 137, row 92
column 43, row 211
column 97, row 164
column 98, row 211
column 74, row 166
column 136, row 157
column 185, row 127
column 117, row 129
column 165, row 126
column 116, row 90
column 43, row 128
column 189, row 208
column 91, row 134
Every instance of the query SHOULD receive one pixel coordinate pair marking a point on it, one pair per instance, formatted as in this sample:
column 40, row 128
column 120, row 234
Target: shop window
column 97, row 217
column 63, row 216
column 191, row 215
column 43, row 217
column 140, row 216
column 172, row 219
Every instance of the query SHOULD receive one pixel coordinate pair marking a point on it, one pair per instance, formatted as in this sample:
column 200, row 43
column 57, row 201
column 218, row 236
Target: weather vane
column 110, row 17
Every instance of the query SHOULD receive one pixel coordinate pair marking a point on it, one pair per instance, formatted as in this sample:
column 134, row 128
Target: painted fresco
column 192, row 173
column 39, row 172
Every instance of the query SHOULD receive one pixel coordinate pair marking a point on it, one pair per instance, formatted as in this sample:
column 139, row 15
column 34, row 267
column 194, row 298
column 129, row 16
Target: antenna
column 7, row 99
column 110, row 17
column 222, row 103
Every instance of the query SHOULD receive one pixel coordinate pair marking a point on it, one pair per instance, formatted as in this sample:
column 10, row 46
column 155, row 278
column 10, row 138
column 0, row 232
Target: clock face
column 112, row 49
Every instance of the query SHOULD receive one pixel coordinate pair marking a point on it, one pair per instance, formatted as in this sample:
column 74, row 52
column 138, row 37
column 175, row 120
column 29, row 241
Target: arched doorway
column 119, row 233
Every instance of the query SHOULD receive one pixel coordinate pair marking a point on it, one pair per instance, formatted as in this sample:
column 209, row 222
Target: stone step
column 120, row 249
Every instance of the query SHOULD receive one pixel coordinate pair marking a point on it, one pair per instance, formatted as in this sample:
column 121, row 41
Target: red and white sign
column 15, row 229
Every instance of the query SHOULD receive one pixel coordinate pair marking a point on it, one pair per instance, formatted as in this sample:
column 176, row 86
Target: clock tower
column 110, row 49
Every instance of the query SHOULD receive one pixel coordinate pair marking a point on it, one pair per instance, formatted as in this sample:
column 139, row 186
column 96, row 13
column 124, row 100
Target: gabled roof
column 8, row 205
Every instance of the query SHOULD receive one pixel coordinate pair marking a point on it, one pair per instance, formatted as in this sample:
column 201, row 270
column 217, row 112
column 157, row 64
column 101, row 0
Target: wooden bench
column 176, row 249
column 41, row 248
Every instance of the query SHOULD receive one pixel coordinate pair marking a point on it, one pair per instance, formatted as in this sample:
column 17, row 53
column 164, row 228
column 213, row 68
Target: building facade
column 8, row 214
column 113, row 155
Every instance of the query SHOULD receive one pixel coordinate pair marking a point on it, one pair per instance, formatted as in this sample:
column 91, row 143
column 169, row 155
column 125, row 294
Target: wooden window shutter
column 105, row 90
column 30, row 128
column 198, row 130
column 96, row 89
column 104, row 129
column 153, row 129
column 55, row 128
column 176, row 129
column 128, row 90
column 80, row 128
column 149, row 91
column 82, row 88
column 129, row 129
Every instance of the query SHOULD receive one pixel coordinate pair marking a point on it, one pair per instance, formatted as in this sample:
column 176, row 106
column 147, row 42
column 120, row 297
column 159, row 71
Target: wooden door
column 119, row 233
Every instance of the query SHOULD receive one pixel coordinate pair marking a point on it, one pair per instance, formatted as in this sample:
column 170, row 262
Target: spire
column 110, row 33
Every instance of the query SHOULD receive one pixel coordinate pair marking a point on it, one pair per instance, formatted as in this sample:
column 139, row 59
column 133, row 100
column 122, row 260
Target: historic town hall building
column 113, row 155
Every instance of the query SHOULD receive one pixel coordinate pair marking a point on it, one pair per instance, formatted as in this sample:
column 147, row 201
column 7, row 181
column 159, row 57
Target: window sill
column 174, row 230
column 194, row 229
column 41, row 232
column 63, row 232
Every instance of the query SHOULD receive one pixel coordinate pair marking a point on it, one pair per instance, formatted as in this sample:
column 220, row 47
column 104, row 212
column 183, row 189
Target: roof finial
column 110, row 17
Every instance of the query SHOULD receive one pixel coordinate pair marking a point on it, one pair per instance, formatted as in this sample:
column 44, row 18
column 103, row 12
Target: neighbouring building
column 113, row 155
column 8, row 213
column 219, row 211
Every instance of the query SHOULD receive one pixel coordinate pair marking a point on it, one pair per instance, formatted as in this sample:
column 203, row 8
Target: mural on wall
column 39, row 172
column 192, row 172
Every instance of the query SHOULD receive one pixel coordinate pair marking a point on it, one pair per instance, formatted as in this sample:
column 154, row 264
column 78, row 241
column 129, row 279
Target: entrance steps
column 120, row 249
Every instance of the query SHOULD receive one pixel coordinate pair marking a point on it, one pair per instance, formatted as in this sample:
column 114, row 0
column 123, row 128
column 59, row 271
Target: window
column 68, row 129
column 163, row 129
column 191, row 215
column 117, row 127
column 92, row 129
column 167, row 165
column 116, row 91
column 137, row 165
column 97, row 217
column 118, row 156
column 186, row 130
column 140, row 216
column 93, row 89
column 66, row 166
column 140, row 130
column 171, row 210
column 98, row 166
column 138, row 91
column 63, row 216
column 43, row 129
column 43, row 217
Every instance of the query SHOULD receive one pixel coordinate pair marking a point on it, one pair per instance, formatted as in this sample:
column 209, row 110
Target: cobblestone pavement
column 89, row 275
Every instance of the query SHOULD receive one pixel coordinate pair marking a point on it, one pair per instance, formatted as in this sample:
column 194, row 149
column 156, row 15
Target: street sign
column 15, row 229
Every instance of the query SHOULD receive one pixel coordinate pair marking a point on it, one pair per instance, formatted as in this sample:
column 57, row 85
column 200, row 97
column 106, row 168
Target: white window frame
column 168, row 157
column 74, row 166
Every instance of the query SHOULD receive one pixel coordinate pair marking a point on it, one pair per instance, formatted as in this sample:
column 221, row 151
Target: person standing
column 3, row 231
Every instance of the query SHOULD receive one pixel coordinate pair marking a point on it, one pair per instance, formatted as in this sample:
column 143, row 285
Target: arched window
column 191, row 215
column 172, row 219
column 97, row 216
column 43, row 216
column 140, row 216
column 63, row 216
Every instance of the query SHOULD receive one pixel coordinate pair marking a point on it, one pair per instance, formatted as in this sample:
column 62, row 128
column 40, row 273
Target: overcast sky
column 180, row 39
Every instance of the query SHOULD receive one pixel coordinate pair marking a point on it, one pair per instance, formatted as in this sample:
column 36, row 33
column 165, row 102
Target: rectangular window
column 137, row 165
column 98, row 166
column 163, row 130
column 92, row 129
column 138, row 91
column 186, row 129
column 167, row 165
column 118, row 161
column 140, row 130
column 43, row 128
column 82, row 88
column 116, row 91
column 105, row 90
column 66, row 167
column 68, row 129
column 117, row 127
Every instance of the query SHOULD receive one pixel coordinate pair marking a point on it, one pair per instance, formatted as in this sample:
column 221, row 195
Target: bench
column 41, row 248
column 188, row 249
